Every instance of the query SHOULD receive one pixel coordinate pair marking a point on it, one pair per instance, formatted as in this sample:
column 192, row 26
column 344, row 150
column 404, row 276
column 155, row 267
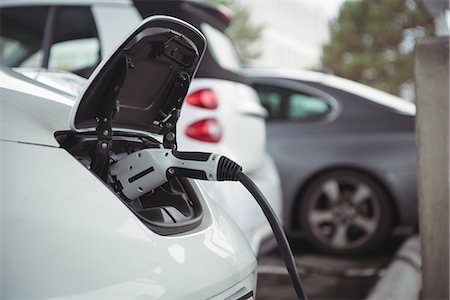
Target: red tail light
column 206, row 130
column 204, row 98
column 225, row 13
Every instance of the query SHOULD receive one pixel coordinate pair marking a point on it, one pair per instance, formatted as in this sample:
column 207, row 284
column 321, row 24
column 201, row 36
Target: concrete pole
column 432, row 130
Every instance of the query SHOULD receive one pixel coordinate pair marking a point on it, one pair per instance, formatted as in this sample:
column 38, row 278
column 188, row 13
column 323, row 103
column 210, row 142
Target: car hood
column 141, row 85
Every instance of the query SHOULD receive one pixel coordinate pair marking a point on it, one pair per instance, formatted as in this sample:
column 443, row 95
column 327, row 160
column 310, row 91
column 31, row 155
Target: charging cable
column 145, row 170
column 278, row 231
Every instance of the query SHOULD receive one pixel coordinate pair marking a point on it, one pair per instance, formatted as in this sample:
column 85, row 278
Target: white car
column 66, row 232
column 221, row 113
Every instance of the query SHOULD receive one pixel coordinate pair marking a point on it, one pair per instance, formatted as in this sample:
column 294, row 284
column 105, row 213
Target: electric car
column 67, row 230
column 221, row 114
column 346, row 154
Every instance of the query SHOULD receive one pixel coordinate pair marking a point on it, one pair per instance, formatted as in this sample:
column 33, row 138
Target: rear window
column 221, row 48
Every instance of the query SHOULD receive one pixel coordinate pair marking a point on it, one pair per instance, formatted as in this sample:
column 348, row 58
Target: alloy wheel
column 343, row 212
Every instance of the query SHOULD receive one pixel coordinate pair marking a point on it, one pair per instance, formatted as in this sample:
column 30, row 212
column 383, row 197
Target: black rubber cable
column 278, row 231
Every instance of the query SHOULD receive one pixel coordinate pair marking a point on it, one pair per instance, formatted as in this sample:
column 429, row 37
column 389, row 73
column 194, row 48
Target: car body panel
column 321, row 152
column 62, row 241
column 30, row 111
column 66, row 82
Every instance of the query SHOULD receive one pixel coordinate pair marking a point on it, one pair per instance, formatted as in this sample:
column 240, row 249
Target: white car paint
column 239, row 112
column 68, row 82
column 70, row 237
column 110, row 29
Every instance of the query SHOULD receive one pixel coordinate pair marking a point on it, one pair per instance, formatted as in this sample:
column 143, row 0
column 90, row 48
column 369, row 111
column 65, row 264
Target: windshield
column 222, row 49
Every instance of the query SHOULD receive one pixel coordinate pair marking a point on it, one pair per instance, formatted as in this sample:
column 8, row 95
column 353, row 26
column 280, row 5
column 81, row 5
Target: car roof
column 339, row 83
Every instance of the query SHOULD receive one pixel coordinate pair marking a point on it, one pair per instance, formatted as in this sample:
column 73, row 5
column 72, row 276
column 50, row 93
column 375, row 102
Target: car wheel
column 345, row 212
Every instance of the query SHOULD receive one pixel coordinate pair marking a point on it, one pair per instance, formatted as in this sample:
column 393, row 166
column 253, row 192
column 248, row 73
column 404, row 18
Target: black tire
column 345, row 212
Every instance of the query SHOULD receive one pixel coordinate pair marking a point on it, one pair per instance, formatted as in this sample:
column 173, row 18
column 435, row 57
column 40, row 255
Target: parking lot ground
column 323, row 276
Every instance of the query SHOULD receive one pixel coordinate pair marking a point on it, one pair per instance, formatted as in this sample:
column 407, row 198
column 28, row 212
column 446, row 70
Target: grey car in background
column 346, row 155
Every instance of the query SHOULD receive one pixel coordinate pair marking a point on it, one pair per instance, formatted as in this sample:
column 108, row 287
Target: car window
column 271, row 101
column 301, row 106
column 222, row 48
column 72, row 40
column 74, row 55
column 21, row 35
column 76, row 46
column 286, row 104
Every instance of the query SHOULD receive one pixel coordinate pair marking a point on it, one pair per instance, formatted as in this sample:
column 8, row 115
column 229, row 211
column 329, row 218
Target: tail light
column 204, row 98
column 206, row 130
column 225, row 13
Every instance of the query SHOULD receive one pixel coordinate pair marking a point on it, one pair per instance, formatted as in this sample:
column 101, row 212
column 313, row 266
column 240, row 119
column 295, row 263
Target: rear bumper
column 241, row 206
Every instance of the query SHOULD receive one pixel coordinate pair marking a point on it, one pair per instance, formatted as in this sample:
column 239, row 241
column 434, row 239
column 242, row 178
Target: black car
column 346, row 155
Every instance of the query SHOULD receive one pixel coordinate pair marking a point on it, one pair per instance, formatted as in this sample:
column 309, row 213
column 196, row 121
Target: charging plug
column 145, row 170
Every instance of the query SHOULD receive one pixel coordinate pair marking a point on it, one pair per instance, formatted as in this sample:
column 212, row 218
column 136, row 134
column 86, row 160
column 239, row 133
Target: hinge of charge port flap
column 168, row 123
column 108, row 108
column 178, row 51
column 100, row 156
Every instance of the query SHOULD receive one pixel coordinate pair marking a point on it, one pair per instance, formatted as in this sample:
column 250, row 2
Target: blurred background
column 371, row 42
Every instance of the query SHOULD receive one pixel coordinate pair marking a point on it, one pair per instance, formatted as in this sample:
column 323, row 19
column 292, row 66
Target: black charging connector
column 229, row 170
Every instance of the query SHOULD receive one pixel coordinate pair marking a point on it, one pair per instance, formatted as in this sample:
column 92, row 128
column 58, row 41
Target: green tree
column 372, row 42
column 241, row 31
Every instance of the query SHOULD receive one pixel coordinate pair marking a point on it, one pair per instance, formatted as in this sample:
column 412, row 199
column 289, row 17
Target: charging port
column 172, row 208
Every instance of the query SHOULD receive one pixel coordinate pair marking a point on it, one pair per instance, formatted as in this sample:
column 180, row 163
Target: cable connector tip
column 227, row 169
